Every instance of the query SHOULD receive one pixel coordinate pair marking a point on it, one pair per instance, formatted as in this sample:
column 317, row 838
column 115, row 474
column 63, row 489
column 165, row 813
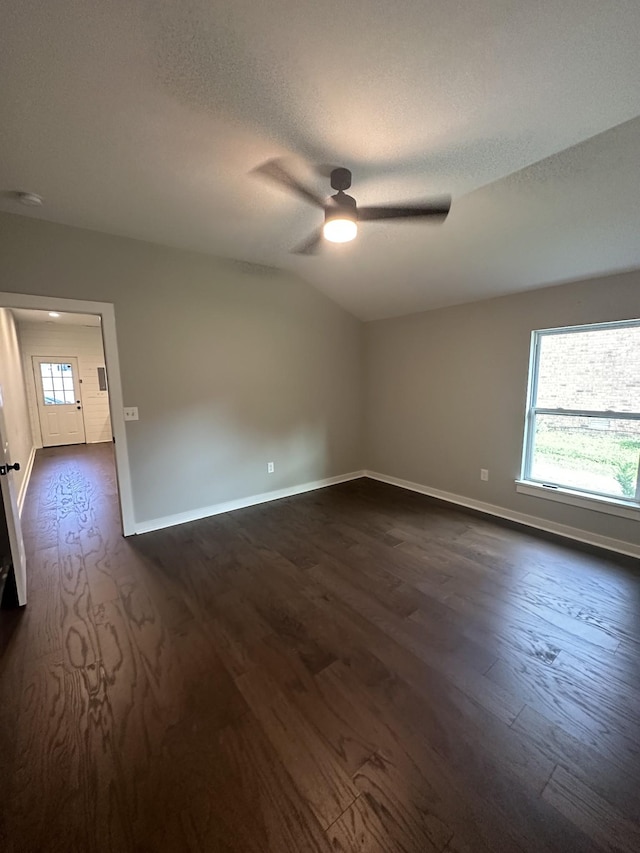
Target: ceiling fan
column 341, row 213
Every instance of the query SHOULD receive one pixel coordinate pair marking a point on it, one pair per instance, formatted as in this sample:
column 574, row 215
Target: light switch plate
column 131, row 413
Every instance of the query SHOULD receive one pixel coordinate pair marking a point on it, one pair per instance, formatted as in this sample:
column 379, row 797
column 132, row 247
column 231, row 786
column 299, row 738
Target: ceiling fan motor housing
column 341, row 206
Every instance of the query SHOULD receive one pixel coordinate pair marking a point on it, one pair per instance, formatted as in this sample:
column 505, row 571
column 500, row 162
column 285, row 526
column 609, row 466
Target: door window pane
column 57, row 384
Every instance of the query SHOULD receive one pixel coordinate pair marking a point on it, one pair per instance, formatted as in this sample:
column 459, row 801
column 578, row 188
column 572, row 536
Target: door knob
column 4, row 469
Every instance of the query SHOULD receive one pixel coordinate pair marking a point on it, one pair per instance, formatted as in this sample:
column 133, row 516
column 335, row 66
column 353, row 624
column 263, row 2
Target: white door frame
column 107, row 313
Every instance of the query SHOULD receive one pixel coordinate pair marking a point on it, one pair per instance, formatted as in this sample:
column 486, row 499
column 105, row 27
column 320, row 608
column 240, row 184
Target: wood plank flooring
column 353, row 669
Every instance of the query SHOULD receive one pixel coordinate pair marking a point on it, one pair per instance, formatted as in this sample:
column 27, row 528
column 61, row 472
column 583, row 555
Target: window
column 582, row 431
column 57, row 384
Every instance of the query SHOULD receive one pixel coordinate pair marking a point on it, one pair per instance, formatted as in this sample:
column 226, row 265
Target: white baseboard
column 241, row 503
column 28, row 468
column 617, row 545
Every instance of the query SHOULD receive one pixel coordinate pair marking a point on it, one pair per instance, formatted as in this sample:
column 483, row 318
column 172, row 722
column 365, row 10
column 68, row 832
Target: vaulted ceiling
column 145, row 117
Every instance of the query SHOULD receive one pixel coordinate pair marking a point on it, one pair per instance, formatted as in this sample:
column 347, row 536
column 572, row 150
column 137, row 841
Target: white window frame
column 526, row 484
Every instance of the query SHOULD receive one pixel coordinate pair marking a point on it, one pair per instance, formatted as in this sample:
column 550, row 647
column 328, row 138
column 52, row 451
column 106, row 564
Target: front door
column 59, row 401
column 11, row 534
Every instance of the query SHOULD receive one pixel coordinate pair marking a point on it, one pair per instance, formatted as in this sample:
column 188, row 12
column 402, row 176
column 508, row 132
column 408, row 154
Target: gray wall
column 16, row 412
column 231, row 365
column 446, row 393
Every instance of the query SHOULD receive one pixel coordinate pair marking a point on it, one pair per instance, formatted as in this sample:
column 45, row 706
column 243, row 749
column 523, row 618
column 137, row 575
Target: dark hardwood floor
column 353, row 669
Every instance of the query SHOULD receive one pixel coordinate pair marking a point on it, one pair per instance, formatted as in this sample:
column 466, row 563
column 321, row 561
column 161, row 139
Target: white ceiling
column 144, row 118
column 31, row 315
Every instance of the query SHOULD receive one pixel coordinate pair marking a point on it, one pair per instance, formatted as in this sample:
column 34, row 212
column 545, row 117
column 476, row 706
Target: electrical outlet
column 484, row 474
column 131, row 413
column 270, row 467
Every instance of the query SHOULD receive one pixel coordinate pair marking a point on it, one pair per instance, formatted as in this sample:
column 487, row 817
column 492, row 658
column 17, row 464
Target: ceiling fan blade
column 311, row 245
column 437, row 209
column 275, row 171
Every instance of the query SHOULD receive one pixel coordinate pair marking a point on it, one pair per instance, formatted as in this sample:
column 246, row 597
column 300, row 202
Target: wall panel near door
column 62, row 340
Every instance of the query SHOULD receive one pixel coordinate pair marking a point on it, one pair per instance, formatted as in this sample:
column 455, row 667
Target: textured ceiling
column 145, row 118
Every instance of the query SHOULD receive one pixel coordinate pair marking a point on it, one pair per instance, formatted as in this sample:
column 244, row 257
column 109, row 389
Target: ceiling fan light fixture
column 341, row 213
column 340, row 230
column 340, row 217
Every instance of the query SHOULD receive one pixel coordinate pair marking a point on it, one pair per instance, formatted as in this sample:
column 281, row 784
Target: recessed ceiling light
column 53, row 314
column 30, row 199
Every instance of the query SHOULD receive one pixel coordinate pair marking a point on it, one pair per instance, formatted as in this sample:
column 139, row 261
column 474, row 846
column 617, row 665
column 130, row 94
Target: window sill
column 611, row 506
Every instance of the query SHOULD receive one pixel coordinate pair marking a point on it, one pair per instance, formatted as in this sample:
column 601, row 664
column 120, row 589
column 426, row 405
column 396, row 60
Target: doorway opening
column 64, row 371
column 71, row 377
